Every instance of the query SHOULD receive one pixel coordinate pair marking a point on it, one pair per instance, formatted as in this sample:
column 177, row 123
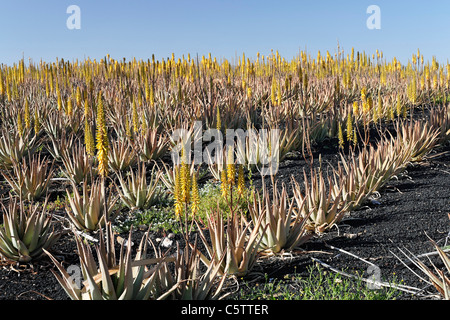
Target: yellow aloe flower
column 340, row 137
column 102, row 138
column 241, row 181
column 195, row 203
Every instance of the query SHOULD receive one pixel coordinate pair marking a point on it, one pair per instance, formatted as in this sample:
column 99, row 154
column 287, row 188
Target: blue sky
column 226, row 28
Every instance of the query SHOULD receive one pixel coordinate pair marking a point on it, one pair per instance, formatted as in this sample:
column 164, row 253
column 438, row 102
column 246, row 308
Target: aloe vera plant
column 14, row 147
column 418, row 138
column 316, row 203
column 439, row 278
column 188, row 281
column 281, row 229
column 350, row 186
column 60, row 136
column 234, row 244
column 78, row 166
column 122, row 156
column 31, row 179
column 86, row 211
column 26, row 232
column 151, row 145
column 136, row 192
column 111, row 279
column 61, row 133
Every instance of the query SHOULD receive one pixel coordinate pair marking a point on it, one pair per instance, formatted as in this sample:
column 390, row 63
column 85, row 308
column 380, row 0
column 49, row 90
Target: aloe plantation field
column 322, row 176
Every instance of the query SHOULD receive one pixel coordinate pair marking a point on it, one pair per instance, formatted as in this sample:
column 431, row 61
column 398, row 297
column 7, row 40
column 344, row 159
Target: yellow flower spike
column 136, row 123
column 179, row 92
column 427, row 77
column 59, row 100
column 355, row 108
column 218, row 119
column 37, row 124
column 51, row 82
column 185, row 177
column 337, row 86
column 69, row 107
column 249, row 92
column 435, row 81
column 143, row 124
column 241, row 181
column 2, row 86
column 380, row 107
column 88, row 138
column 27, row 115
column 349, row 127
column 383, row 76
column 412, row 90
column 177, row 193
column 422, row 83
column 273, row 93
column 399, row 106
column 19, row 124
column 152, row 96
column 102, row 138
column 392, row 112
column 47, row 89
column 86, row 108
column 369, row 103
column 224, row 183
column 8, row 91
column 78, row 97
column 231, row 168
column 195, row 204
column 363, row 94
column 139, row 98
column 147, row 89
column 340, row 137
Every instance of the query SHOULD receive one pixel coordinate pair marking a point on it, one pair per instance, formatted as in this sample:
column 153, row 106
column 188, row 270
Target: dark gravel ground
column 413, row 207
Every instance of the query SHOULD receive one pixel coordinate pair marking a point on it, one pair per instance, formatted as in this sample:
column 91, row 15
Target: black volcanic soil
column 412, row 207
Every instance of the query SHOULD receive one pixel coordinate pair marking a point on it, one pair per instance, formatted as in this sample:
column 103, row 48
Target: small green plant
column 59, row 204
column 318, row 284
column 157, row 218
column 211, row 197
